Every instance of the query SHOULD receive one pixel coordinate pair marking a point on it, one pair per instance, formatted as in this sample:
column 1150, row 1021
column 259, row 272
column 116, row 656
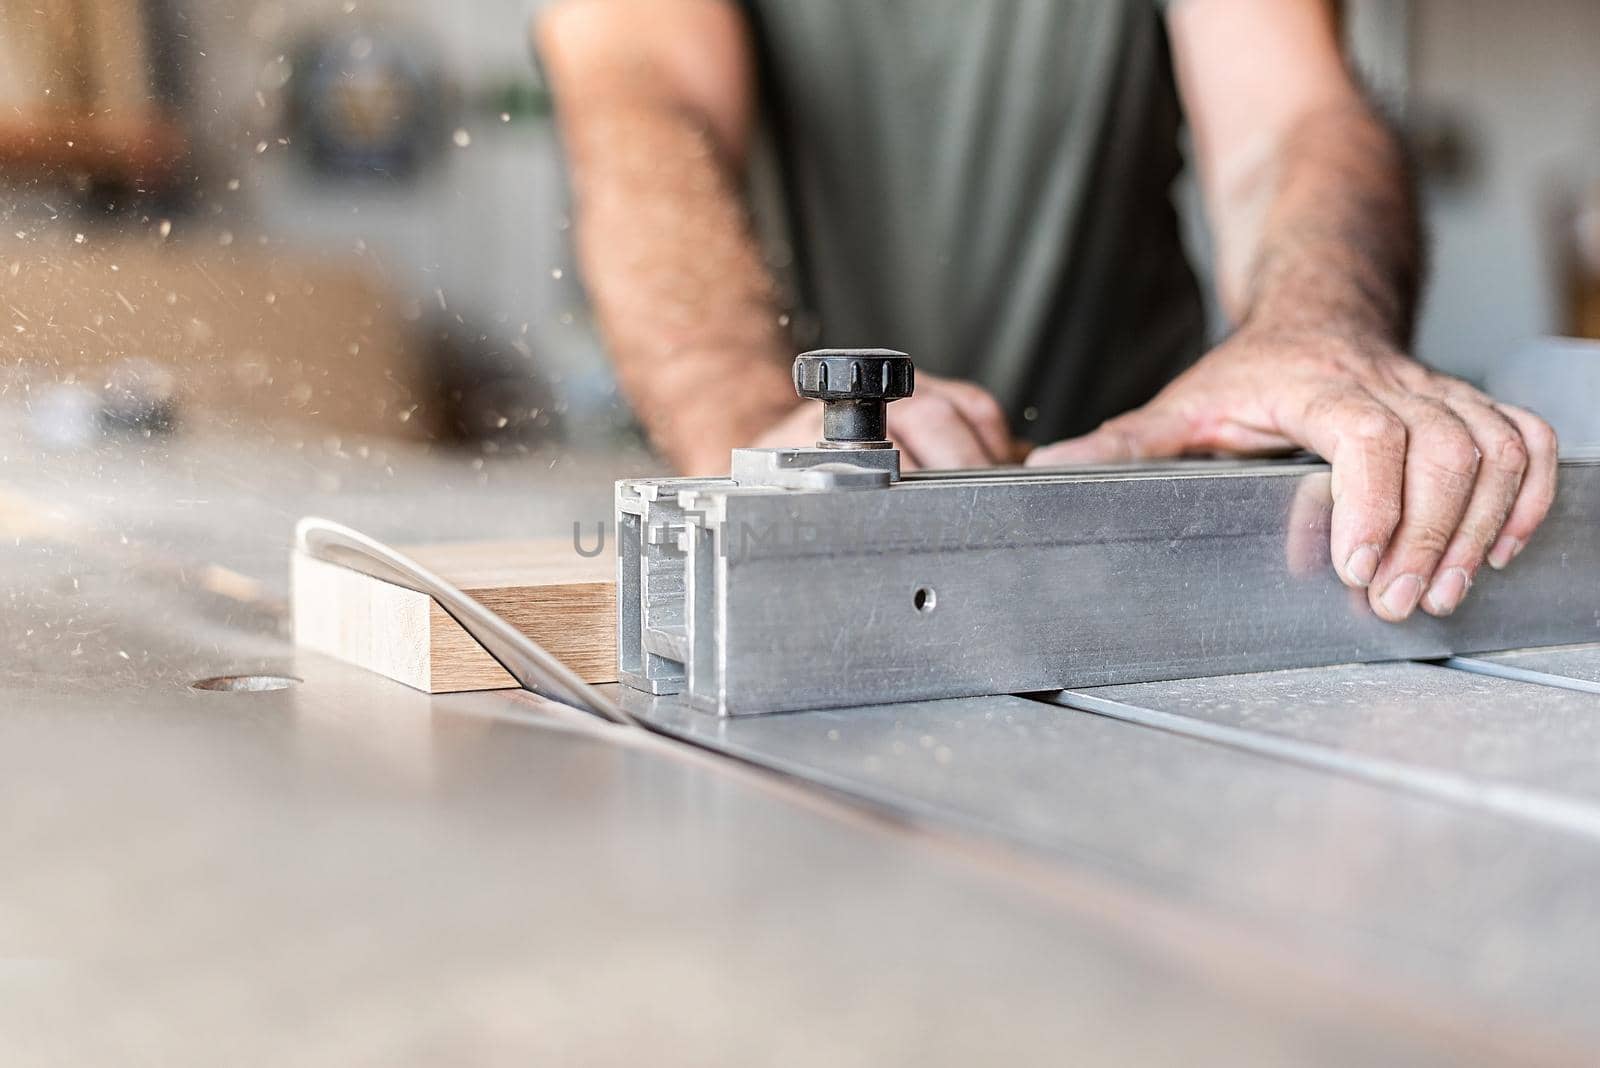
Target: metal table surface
column 347, row 871
column 1467, row 905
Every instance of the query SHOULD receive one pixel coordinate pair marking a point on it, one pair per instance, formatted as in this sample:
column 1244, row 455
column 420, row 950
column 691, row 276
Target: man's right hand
column 947, row 423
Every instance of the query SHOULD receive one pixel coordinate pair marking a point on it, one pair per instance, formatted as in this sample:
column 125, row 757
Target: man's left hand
column 1431, row 478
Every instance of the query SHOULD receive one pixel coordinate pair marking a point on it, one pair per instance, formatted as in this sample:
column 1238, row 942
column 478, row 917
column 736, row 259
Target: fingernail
column 1401, row 596
column 1505, row 550
column 1362, row 565
column 1448, row 590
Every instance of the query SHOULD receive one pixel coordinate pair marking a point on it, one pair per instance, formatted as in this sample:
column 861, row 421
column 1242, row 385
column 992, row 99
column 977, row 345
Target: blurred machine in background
column 81, row 102
column 280, row 208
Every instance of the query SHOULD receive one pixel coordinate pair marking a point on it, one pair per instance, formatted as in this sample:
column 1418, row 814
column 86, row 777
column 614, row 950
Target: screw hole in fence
column 924, row 599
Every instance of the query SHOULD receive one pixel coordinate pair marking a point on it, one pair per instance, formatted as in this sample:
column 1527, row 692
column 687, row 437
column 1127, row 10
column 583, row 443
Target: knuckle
column 1448, row 447
column 981, row 401
column 1373, row 512
column 1427, row 538
column 1533, row 505
column 1119, row 439
column 1324, row 404
column 1378, row 426
column 1477, row 532
column 1383, row 513
column 1376, row 525
column 929, row 406
column 1540, row 436
column 947, row 418
column 990, row 407
column 1127, row 438
column 1508, row 453
column 1442, row 385
column 1416, row 375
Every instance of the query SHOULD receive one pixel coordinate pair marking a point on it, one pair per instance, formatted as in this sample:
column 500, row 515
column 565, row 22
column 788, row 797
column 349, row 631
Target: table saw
column 1099, row 765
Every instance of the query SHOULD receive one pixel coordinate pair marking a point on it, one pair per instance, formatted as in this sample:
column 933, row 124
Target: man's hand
column 1319, row 259
column 947, row 423
column 1430, row 477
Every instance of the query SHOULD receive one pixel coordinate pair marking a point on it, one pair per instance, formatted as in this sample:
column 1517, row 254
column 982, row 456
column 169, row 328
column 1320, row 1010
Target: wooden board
column 561, row 600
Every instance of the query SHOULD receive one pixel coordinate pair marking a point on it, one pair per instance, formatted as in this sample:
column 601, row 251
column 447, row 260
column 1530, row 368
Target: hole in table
column 245, row 683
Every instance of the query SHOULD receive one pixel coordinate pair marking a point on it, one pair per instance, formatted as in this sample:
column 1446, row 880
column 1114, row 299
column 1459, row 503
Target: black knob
column 855, row 387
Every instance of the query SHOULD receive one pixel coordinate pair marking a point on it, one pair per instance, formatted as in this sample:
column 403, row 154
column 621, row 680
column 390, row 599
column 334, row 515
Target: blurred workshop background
column 325, row 221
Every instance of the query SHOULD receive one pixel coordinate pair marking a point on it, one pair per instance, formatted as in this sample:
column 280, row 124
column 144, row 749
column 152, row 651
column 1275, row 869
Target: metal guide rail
column 815, row 578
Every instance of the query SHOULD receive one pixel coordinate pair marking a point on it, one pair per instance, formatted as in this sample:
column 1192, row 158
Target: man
column 985, row 184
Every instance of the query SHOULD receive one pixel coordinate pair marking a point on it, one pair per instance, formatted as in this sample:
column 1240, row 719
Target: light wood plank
column 545, row 590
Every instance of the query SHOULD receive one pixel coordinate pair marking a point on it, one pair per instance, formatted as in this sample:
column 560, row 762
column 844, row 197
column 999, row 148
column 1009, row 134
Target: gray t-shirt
column 986, row 184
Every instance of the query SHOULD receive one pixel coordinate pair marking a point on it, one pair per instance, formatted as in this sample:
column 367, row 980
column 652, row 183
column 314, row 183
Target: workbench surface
column 347, row 871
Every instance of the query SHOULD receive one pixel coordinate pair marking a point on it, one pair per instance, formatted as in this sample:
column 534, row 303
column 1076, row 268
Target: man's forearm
column 1339, row 248
column 686, row 306
column 1319, row 262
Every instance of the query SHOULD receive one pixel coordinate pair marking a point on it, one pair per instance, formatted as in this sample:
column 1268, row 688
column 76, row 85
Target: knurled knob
column 854, row 386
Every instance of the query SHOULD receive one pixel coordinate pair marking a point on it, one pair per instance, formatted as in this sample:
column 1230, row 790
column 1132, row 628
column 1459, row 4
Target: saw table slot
column 1515, row 748
column 1573, row 667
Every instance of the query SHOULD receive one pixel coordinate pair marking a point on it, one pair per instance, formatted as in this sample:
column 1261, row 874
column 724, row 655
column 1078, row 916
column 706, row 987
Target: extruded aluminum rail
column 761, row 599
